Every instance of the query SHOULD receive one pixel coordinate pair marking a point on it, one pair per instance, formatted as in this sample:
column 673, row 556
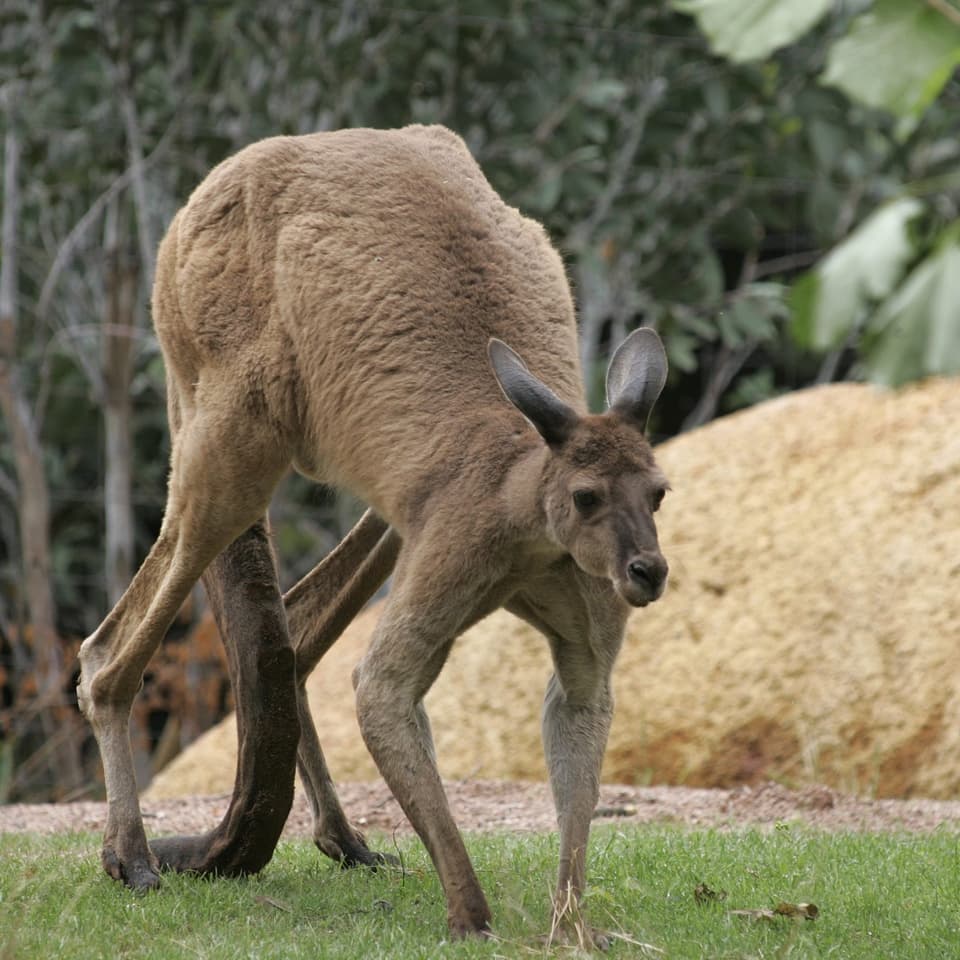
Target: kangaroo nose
column 648, row 572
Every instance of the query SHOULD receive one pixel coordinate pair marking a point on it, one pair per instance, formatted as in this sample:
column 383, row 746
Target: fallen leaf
column 754, row 914
column 703, row 893
column 270, row 902
column 795, row 911
column 798, row 911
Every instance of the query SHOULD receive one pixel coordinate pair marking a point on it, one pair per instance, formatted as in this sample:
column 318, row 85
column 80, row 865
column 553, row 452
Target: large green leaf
column 752, row 29
column 896, row 56
column 917, row 331
column 865, row 268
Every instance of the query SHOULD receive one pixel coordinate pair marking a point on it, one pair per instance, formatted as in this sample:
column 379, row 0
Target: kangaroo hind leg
column 319, row 608
column 223, row 472
column 245, row 597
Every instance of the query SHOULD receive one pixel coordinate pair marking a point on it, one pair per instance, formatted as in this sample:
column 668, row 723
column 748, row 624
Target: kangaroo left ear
column 635, row 378
column 551, row 417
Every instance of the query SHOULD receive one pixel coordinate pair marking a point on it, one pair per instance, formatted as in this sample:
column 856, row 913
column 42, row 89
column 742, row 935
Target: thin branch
column 80, row 228
column 624, row 162
column 582, row 235
column 728, row 362
column 848, row 210
column 8, row 240
column 131, row 123
column 791, row 261
column 947, row 9
column 78, row 233
column 728, row 365
column 831, row 362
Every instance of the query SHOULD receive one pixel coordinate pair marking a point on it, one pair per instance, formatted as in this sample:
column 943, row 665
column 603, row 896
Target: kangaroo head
column 600, row 483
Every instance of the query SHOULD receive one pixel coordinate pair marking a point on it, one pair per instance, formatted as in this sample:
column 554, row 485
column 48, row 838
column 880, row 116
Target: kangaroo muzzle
column 644, row 578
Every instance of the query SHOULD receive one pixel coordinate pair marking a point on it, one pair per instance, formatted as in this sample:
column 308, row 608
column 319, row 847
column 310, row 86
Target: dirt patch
column 487, row 805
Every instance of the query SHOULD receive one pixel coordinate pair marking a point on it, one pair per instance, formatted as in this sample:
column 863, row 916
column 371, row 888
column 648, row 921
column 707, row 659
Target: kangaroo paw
column 139, row 873
column 350, row 849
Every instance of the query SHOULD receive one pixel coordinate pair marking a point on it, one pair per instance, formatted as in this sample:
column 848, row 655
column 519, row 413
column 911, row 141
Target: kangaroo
column 342, row 303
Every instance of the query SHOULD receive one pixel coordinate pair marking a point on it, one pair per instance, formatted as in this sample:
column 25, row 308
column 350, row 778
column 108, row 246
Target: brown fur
column 330, row 302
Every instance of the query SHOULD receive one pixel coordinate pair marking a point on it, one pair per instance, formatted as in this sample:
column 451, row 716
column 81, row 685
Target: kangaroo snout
column 646, row 577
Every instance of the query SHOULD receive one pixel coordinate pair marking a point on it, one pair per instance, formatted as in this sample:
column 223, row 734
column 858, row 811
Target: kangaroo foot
column 468, row 915
column 138, row 872
column 189, row 855
column 571, row 929
column 349, row 848
column 463, row 928
column 215, row 853
column 583, row 939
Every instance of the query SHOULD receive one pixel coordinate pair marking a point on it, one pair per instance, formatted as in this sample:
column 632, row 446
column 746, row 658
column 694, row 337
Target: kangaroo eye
column 658, row 496
column 585, row 500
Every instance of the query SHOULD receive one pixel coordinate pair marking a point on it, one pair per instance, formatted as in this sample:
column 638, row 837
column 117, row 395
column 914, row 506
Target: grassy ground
column 895, row 896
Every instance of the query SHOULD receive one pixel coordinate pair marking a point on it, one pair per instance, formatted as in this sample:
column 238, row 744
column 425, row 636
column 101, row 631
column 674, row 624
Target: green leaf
column 729, row 330
column 752, row 29
column 754, row 316
column 827, row 140
column 896, row 56
column 865, row 268
column 693, row 322
column 917, row 331
column 822, row 203
column 716, row 96
column 546, row 193
column 682, row 352
column 751, row 388
column 708, row 277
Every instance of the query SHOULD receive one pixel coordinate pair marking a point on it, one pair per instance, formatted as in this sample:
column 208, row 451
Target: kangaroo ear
column 552, row 418
column 636, row 376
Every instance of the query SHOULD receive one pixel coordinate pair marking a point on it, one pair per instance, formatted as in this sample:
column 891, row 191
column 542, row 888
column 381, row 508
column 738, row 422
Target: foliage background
column 730, row 199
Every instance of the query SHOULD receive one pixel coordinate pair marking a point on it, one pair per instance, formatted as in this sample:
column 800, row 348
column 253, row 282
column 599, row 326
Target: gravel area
column 485, row 805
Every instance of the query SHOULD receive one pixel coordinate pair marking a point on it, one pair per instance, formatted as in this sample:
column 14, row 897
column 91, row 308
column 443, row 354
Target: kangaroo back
column 354, row 279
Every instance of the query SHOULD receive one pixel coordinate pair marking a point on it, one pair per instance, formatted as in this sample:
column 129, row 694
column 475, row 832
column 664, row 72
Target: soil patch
column 489, row 805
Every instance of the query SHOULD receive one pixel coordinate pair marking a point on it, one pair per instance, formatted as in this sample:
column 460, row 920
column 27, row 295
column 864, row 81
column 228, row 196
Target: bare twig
column 624, row 162
column 728, row 364
column 8, row 241
column 582, row 235
column 947, row 9
column 831, row 362
column 790, row 261
column 119, row 43
column 79, row 231
column 848, row 209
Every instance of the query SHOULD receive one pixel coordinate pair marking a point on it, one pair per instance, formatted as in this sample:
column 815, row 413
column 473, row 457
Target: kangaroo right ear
column 637, row 374
column 551, row 417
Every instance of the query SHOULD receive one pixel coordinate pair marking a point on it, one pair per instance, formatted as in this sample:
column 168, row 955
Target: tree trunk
column 47, row 717
column 34, row 496
column 118, row 340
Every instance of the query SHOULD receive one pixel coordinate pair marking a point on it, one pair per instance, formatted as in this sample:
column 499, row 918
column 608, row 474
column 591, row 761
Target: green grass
column 894, row 896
